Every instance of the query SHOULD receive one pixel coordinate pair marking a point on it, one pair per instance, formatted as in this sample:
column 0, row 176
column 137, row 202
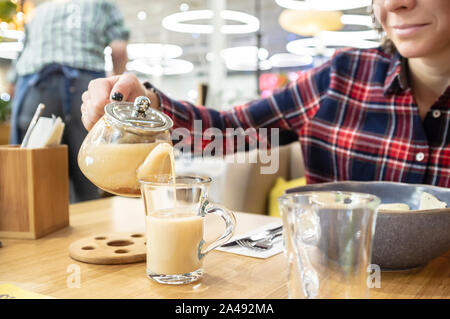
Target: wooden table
column 42, row 265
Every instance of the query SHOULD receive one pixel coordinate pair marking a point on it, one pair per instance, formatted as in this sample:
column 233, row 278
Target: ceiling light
column 142, row 15
column 153, row 51
column 319, row 44
column 244, row 58
column 248, row 65
column 5, row 97
column 333, row 36
column 310, row 22
column 174, row 21
column 357, row 19
column 244, row 53
column 287, row 60
column 184, row 7
column 310, row 50
column 192, row 94
column 164, row 67
column 323, row 5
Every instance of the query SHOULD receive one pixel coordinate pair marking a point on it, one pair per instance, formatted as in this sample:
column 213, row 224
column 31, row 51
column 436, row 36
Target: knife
column 256, row 236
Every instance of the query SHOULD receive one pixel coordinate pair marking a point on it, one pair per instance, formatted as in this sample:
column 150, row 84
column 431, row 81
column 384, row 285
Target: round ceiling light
column 323, row 5
column 244, row 53
column 310, row 22
column 357, row 19
column 288, row 60
column 165, row 67
column 319, row 44
column 309, row 50
column 248, row 23
column 248, row 65
column 244, row 58
column 346, row 36
column 153, row 51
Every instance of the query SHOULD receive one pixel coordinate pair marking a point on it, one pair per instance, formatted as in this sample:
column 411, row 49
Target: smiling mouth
column 408, row 30
column 409, row 26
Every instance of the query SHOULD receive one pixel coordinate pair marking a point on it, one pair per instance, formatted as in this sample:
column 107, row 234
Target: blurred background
column 218, row 53
column 174, row 43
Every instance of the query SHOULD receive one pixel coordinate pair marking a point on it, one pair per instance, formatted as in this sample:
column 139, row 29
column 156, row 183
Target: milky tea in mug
column 176, row 238
column 175, row 214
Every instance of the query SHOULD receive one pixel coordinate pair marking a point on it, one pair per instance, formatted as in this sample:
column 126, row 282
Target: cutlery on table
column 264, row 244
column 261, row 236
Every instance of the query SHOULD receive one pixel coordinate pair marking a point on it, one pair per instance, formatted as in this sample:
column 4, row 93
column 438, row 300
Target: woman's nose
column 396, row 5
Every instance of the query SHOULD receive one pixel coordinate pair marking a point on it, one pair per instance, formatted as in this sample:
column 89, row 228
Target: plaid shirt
column 73, row 33
column 355, row 117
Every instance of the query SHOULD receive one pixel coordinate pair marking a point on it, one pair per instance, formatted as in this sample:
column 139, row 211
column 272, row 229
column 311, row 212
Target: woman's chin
column 413, row 50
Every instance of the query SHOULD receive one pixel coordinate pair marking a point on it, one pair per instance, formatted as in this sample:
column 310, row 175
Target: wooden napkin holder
column 34, row 191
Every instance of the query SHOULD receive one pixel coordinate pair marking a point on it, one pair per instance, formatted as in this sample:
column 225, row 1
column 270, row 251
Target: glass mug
column 117, row 145
column 174, row 227
column 328, row 243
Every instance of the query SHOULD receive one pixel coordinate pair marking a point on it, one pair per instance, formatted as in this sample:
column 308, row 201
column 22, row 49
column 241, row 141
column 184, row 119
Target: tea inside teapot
column 114, row 167
column 120, row 143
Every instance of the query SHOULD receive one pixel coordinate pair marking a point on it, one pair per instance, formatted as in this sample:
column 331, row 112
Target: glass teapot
column 120, row 142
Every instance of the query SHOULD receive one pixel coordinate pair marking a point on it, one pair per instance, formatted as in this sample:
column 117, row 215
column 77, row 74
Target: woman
column 368, row 114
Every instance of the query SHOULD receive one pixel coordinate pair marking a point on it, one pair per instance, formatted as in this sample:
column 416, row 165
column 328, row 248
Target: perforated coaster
column 110, row 249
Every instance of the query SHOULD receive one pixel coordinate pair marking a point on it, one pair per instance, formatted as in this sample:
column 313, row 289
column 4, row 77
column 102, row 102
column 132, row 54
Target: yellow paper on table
column 281, row 185
column 8, row 291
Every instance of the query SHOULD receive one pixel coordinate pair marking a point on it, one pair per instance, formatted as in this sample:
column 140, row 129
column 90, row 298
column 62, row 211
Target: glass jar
column 119, row 143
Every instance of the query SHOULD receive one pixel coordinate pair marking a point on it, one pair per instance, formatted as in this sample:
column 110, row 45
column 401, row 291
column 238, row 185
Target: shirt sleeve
column 287, row 110
column 115, row 28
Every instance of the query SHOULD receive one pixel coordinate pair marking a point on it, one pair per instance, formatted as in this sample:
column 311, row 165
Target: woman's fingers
column 95, row 99
column 123, row 87
column 85, row 96
column 127, row 88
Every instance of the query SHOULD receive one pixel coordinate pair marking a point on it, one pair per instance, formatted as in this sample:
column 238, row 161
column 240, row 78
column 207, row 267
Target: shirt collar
column 397, row 76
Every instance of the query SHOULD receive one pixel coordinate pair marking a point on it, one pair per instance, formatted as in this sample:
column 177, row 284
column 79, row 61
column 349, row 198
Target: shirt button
column 436, row 114
column 420, row 156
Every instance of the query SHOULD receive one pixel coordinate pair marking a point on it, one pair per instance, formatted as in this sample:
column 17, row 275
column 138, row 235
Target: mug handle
column 230, row 225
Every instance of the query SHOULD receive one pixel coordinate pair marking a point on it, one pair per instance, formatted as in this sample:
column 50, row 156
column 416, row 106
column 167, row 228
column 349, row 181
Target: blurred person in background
column 63, row 51
column 380, row 114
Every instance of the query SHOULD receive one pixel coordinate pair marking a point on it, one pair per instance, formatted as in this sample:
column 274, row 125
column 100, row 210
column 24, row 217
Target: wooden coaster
column 110, row 249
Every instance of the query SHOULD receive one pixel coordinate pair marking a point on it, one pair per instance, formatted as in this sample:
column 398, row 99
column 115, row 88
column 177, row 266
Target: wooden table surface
column 44, row 265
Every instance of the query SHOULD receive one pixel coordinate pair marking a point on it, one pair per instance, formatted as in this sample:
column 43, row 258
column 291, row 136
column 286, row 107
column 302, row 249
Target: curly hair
column 386, row 43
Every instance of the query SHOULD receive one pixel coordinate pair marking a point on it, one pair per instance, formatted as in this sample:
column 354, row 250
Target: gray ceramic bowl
column 403, row 239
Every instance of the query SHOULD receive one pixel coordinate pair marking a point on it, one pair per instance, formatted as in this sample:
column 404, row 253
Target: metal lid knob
column 137, row 117
column 141, row 105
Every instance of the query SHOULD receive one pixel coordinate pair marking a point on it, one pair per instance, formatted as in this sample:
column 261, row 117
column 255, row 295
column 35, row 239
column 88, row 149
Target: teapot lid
column 138, row 117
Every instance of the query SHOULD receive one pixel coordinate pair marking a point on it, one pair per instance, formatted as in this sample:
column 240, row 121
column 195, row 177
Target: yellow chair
column 281, row 185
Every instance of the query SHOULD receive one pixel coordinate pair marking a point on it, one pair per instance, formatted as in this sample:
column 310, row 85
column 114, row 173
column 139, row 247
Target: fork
column 262, row 244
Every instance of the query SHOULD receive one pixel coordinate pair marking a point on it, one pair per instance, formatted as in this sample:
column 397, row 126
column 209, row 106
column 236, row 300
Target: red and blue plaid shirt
column 355, row 117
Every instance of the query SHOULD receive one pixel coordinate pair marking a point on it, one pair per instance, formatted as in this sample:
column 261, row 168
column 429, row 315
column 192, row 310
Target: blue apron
column 27, row 81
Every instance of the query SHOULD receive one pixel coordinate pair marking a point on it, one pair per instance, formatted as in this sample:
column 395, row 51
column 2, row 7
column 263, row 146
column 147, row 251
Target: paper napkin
column 276, row 249
column 47, row 132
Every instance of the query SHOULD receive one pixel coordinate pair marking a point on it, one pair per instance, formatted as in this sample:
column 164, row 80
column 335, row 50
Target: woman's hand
column 125, row 87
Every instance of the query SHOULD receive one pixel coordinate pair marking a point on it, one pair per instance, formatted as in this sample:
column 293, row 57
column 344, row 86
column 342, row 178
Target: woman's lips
column 406, row 30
